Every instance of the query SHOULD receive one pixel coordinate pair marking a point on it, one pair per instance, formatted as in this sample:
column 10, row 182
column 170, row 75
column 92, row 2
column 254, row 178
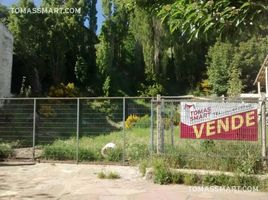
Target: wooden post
column 263, row 130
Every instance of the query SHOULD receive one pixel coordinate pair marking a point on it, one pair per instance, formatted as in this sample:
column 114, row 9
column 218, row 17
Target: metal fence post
column 172, row 125
column 34, row 126
column 152, row 128
column 124, row 135
column 159, row 125
column 263, row 129
column 162, row 126
column 77, row 129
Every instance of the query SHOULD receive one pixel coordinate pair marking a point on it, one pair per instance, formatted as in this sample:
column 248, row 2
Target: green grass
column 162, row 174
column 234, row 156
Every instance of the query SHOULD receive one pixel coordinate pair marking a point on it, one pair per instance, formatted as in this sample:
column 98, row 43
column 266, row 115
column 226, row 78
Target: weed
column 110, row 175
column 142, row 166
column 101, row 175
column 190, row 179
column 113, row 175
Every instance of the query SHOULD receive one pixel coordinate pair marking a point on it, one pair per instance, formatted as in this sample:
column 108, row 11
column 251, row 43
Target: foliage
column 151, row 90
column 131, row 120
column 110, row 175
column 143, row 122
column 190, row 179
column 194, row 18
column 219, row 60
column 47, row 45
column 162, row 173
column 142, row 166
column 4, row 14
column 81, row 70
column 5, row 150
column 248, row 58
column 61, row 90
column 232, row 68
column 47, row 111
column 234, row 83
column 107, row 86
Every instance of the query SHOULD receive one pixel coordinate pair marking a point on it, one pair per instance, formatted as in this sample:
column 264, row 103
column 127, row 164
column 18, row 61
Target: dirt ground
column 70, row 181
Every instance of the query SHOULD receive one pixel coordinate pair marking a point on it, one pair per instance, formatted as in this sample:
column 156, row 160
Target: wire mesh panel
column 16, row 119
column 16, row 125
column 101, row 126
column 137, row 128
column 56, row 119
column 207, row 151
column 56, row 124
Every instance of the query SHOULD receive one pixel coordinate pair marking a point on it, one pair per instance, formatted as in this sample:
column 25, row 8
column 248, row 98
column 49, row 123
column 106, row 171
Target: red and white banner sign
column 225, row 121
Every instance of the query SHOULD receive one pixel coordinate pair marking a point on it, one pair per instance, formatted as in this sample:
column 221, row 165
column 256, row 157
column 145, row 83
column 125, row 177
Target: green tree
column 219, row 60
column 234, row 83
column 207, row 17
column 4, row 14
column 48, row 45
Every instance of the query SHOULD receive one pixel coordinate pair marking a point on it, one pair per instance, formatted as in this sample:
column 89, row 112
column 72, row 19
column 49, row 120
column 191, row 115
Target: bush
column 162, row 173
column 143, row 122
column 61, row 90
column 177, row 178
column 5, row 151
column 190, row 179
column 131, row 120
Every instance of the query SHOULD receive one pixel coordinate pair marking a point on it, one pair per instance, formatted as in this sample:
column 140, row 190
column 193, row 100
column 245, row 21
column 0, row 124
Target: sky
column 38, row 2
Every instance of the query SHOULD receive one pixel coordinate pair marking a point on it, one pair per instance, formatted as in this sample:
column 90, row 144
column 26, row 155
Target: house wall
column 6, row 56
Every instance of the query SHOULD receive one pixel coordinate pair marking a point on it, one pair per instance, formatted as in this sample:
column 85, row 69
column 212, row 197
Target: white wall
column 6, row 56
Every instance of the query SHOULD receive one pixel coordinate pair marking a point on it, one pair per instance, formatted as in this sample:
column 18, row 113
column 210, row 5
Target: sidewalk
column 70, row 181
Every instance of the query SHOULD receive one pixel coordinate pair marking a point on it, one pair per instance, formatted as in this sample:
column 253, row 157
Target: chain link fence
column 77, row 129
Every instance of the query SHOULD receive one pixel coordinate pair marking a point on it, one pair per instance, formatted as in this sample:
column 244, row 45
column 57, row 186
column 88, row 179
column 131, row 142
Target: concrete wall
column 6, row 56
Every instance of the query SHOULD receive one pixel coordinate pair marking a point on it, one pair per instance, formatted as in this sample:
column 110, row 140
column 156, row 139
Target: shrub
column 131, row 120
column 245, row 181
column 5, row 151
column 190, row 179
column 162, row 173
column 61, row 90
column 143, row 122
column 177, row 178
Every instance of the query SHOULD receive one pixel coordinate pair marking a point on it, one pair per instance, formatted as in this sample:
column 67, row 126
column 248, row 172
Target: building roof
column 261, row 75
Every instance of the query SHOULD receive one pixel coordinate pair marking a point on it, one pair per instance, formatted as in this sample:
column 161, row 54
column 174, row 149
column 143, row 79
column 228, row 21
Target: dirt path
column 70, row 181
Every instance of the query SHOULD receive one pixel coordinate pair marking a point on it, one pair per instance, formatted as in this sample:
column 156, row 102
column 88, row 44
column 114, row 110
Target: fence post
column 124, row 135
column 152, row 127
column 172, row 125
column 77, row 129
column 34, row 126
column 263, row 130
column 159, row 125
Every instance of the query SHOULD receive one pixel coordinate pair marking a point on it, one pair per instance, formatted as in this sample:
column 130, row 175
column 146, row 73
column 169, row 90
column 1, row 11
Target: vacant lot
column 69, row 181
